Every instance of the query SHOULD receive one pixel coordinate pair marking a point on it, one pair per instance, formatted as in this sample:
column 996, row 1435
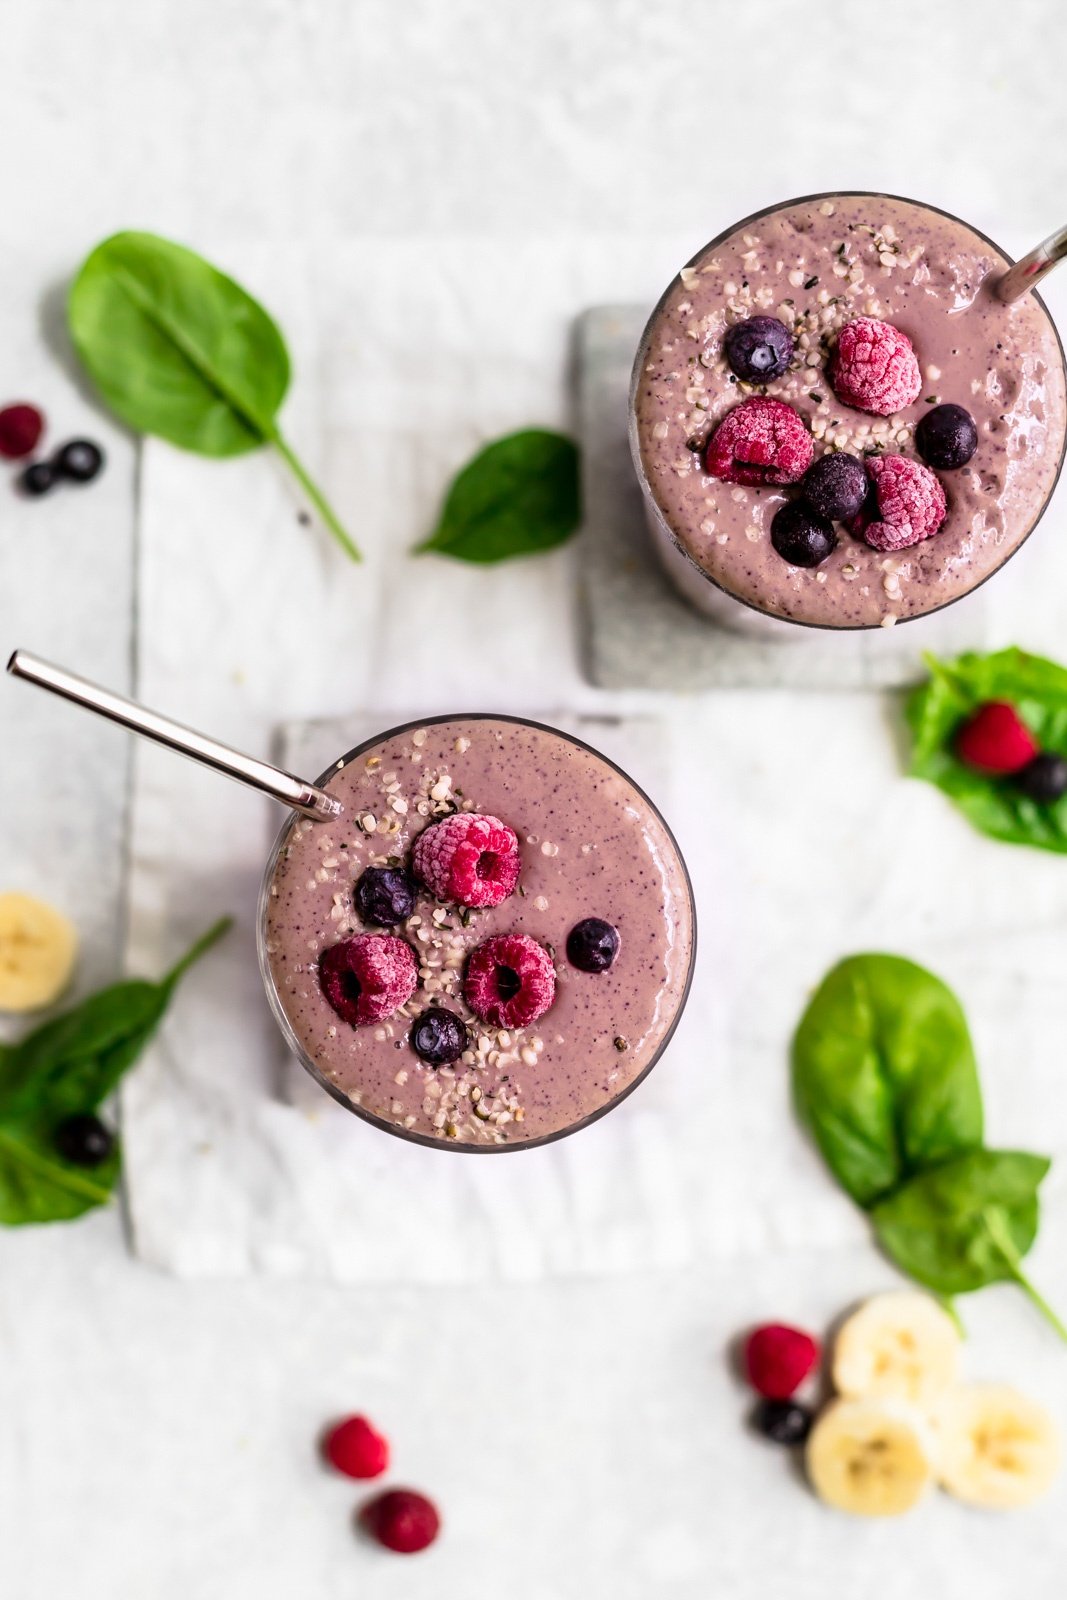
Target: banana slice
column 37, row 950
column 901, row 1344
column 870, row 1457
column 993, row 1446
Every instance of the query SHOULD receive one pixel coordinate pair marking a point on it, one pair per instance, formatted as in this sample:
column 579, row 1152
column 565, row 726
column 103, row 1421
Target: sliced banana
column 37, row 950
column 898, row 1344
column 870, row 1457
column 993, row 1446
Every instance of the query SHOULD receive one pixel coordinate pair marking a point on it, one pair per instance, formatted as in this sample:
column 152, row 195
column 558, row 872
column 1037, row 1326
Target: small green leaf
column 179, row 350
column 176, row 347
column 884, row 1074
column 967, row 1223
column 519, row 495
column 995, row 806
column 67, row 1067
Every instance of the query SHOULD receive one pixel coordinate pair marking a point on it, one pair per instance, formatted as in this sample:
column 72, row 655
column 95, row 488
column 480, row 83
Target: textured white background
column 581, row 1436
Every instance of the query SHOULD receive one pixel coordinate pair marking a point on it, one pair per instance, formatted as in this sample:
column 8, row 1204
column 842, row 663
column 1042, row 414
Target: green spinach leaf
column 967, row 1223
column 884, row 1074
column 517, row 496
column 67, row 1066
column 179, row 350
column 995, row 806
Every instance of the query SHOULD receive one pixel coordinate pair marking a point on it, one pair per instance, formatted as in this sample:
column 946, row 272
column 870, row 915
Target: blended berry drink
column 837, row 422
column 491, row 946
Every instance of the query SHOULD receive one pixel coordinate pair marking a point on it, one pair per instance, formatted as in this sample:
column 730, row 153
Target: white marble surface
column 580, row 1435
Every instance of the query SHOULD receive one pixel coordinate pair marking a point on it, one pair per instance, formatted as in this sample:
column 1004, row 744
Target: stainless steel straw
column 1028, row 273
column 294, row 792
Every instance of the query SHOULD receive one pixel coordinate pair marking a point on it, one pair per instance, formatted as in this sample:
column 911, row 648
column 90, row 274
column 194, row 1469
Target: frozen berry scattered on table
column 874, row 367
column 1044, row 779
column 438, row 1036
column 995, row 740
column 592, row 945
column 356, row 1448
column 836, row 486
column 81, row 461
column 402, row 1520
column 800, row 536
column 21, row 426
column 758, row 349
column 905, row 506
column 510, row 980
column 946, row 437
column 83, row 1140
column 470, row 858
column 385, row 896
column 761, row 441
column 783, row 1421
column 37, row 479
column 778, row 1358
column 367, row 978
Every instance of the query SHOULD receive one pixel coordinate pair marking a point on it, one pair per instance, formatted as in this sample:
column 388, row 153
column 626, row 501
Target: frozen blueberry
column 836, row 486
column 80, row 461
column 758, row 349
column 385, row 896
column 784, row 1421
column 37, row 478
column 83, row 1140
column 438, row 1037
column 800, row 536
column 592, row 945
column 1043, row 779
column 946, row 437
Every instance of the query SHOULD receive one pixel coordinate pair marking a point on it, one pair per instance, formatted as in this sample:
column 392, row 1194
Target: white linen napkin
column 803, row 839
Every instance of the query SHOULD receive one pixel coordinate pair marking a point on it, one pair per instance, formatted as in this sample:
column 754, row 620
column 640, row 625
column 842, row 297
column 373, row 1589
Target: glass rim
column 632, row 429
column 294, row 1043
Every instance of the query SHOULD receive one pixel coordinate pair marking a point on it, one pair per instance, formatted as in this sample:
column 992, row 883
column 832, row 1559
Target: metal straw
column 1028, row 273
column 294, row 792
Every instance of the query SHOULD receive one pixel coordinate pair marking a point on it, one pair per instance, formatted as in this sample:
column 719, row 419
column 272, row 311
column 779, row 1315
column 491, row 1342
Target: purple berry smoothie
column 591, row 845
column 816, row 264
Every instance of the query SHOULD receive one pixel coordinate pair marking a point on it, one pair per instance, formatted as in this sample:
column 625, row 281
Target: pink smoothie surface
column 816, row 265
column 591, row 845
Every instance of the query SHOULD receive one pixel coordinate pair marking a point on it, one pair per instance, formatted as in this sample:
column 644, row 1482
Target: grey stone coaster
column 640, row 633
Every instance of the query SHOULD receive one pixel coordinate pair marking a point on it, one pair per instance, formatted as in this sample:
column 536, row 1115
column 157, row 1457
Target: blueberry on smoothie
column 836, row 486
column 438, row 1037
column 800, row 536
column 385, row 896
column 946, row 437
column 592, row 945
column 758, row 349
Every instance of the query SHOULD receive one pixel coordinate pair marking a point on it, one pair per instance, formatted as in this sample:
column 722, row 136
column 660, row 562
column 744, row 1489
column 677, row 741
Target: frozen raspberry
column 510, row 981
column 469, row 858
column 20, row 428
column 367, row 978
column 759, row 441
column 402, row 1520
column 996, row 740
column 778, row 1359
column 874, row 367
column 357, row 1449
column 905, row 506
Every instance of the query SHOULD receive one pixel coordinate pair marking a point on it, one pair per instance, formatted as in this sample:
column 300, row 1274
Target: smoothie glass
column 554, row 949
column 574, row 1063
column 816, row 262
